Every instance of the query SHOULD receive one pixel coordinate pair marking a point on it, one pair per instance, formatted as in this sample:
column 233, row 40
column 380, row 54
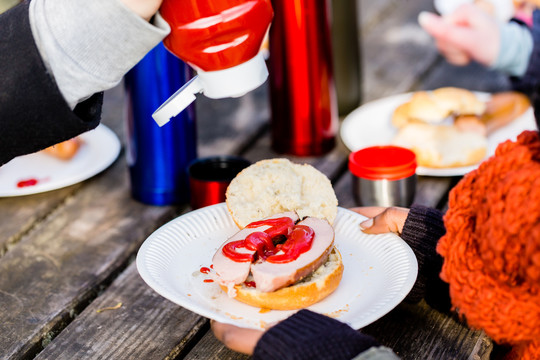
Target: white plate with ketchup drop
column 36, row 173
column 379, row 270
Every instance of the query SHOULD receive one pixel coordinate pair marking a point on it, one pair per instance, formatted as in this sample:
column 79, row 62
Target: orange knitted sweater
column 491, row 249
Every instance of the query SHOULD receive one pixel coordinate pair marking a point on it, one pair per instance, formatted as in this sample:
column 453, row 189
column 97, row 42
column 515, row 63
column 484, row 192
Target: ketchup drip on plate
column 27, row 183
column 206, row 270
column 299, row 240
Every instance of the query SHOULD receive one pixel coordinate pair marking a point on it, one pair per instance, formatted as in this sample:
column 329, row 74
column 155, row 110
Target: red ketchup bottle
column 221, row 40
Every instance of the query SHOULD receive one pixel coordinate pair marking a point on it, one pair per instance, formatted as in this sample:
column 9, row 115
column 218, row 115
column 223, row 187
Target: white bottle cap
column 178, row 101
column 232, row 82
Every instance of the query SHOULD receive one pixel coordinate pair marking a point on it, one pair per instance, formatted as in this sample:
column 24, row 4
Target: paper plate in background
column 99, row 148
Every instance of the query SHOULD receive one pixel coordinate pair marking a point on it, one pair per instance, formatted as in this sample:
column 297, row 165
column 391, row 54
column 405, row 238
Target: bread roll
column 464, row 141
column 501, row 109
column 274, row 186
column 425, row 107
column 64, row 150
column 459, row 101
column 310, row 290
column 504, row 107
column 471, row 123
column 277, row 185
column 442, row 146
column 400, row 116
column 433, row 107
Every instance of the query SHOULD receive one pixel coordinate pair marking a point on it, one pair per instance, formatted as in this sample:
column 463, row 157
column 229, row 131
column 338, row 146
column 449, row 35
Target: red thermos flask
column 302, row 91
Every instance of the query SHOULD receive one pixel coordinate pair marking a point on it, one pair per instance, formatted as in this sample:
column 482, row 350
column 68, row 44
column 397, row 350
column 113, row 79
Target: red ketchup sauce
column 27, row 183
column 206, row 270
column 217, row 34
column 299, row 240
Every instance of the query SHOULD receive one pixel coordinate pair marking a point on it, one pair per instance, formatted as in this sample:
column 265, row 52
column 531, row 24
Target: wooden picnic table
column 67, row 253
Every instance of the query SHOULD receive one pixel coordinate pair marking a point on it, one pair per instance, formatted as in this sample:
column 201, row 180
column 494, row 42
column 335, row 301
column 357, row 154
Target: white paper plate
column 379, row 270
column 99, row 148
column 371, row 124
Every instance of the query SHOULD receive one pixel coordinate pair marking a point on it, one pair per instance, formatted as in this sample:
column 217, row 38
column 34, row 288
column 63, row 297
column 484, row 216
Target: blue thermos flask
column 158, row 156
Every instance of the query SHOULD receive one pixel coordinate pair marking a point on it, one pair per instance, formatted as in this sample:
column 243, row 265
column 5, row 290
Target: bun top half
column 278, row 185
column 433, row 107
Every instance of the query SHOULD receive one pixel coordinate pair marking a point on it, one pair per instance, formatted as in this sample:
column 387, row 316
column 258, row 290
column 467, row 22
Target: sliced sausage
column 229, row 272
column 272, row 276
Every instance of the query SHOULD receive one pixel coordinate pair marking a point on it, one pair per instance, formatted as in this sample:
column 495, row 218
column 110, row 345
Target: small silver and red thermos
column 383, row 176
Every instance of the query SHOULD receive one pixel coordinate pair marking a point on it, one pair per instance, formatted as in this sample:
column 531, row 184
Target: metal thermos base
column 384, row 192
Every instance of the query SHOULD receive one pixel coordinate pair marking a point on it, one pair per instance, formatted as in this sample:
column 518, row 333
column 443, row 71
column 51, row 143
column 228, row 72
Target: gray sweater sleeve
column 516, row 47
column 88, row 46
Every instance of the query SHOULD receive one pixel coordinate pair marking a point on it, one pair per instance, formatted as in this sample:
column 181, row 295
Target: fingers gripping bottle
column 221, row 40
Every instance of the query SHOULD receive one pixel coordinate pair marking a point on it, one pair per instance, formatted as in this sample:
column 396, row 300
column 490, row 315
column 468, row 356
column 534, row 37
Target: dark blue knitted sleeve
column 423, row 229
column 308, row 335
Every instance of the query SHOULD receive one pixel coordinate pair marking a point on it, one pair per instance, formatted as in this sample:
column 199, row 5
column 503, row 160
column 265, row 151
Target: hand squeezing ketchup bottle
column 221, row 40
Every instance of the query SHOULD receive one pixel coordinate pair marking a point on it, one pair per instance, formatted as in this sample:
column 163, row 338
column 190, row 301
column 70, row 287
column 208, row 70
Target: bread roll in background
column 425, row 107
column 400, row 116
column 433, row 107
column 459, row 101
column 65, row 150
column 448, row 127
column 278, row 185
column 503, row 108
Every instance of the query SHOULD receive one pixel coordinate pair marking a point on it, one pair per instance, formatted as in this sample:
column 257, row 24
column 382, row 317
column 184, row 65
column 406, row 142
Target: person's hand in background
column 468, row 34
column 382, row 219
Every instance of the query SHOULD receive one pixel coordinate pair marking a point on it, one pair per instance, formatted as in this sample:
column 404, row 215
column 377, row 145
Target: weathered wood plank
column 473, row 77
column 18, row 215
column 396, row 51
column 210, row 348
column 62, row 263
column 146, row 326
